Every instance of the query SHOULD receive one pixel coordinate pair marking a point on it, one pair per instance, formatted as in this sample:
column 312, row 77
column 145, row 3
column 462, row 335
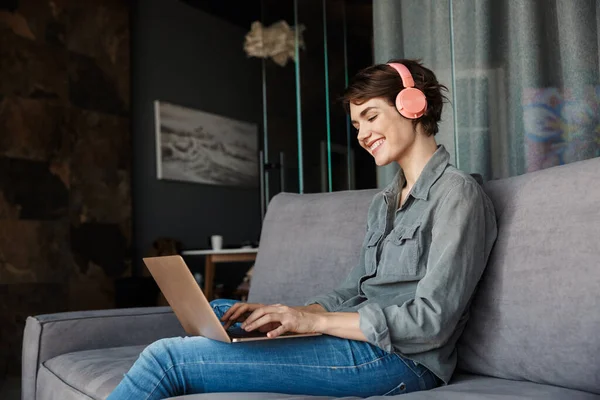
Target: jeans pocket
column 415, row 377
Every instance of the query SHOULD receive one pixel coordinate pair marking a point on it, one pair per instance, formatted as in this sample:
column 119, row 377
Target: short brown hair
column 381, row 80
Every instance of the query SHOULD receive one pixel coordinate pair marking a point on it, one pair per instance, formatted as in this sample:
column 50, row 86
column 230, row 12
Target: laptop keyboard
column 237, row 333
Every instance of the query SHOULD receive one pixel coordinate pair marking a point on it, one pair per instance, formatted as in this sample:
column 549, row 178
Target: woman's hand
column 240, row 311
column 281, row 319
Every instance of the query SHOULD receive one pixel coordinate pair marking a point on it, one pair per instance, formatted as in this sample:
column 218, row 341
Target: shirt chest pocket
column 373, row 239
column 402, row 252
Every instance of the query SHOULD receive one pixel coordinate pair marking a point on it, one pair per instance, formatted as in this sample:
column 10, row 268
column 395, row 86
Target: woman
column 392, row 325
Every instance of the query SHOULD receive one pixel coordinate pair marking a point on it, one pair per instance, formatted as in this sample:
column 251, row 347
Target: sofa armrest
column 47, row 336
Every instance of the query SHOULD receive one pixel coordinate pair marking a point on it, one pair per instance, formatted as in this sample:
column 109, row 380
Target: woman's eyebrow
column 366, row 110
column 363, row 112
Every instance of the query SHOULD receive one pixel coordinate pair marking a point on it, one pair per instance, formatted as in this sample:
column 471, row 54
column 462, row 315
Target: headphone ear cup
column 411, row 103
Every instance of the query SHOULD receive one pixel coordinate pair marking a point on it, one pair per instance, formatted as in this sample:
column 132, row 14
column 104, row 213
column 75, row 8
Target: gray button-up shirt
column 420, row 264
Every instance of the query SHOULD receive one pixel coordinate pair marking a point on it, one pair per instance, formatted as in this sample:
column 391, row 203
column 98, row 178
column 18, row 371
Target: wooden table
column 219, row 256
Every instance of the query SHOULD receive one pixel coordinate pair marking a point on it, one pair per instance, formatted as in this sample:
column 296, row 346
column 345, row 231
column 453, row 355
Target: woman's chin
column 381, row 162
column 380, row 159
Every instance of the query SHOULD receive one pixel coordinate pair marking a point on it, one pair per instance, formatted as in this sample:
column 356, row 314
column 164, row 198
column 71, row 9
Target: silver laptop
column 191, row 306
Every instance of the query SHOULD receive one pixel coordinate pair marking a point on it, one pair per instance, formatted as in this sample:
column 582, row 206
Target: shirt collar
column 433, row 170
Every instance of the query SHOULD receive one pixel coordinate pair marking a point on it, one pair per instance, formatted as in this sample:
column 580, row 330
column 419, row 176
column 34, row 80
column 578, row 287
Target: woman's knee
column 161, row 352
column 156, row 362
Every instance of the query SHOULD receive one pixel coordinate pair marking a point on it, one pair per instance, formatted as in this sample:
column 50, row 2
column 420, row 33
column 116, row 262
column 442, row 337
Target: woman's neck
column 417, row 158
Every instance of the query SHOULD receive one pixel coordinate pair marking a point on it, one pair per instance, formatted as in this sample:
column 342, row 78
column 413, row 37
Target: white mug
column 217, row 242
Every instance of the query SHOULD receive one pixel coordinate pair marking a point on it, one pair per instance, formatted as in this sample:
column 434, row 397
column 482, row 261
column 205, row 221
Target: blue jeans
column 321, row 365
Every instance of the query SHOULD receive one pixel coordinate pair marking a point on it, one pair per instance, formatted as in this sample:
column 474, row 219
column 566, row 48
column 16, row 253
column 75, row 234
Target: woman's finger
column 259, row 312
column 238, row 316
column 277, row 332
column 265, row 319
column 239, row 312
column 268, row 327
column 228, row 324
column 234, row 321
column 230, row 311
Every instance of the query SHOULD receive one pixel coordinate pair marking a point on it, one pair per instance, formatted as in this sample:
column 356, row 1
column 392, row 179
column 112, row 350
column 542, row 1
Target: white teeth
column 377, row 144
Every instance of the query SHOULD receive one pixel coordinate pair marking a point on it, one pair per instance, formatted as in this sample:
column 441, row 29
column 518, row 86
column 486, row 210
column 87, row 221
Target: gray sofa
column 534, row 330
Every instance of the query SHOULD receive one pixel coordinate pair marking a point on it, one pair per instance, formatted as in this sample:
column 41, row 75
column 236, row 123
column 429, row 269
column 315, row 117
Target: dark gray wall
column 187, row 57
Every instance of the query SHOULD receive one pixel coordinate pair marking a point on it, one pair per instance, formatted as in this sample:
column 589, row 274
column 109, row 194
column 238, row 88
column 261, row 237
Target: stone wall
column 65, row 160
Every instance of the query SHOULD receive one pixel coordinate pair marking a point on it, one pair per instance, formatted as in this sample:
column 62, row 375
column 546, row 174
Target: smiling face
column 382, row 131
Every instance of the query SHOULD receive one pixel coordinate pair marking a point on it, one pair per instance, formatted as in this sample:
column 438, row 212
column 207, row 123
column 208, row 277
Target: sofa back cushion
column 308, row 244
column 536, row 313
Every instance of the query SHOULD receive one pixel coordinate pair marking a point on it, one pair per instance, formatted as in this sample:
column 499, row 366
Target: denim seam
column 156, row 386
column 161, row 379
column 280, row 365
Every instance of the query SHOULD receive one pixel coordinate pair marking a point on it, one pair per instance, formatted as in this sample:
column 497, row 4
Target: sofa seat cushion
column 462, row 387
column 94, row 374
column 474, row 387
column 91, row 373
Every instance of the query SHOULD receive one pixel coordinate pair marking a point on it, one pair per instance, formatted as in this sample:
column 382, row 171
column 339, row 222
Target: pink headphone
column 410, row 102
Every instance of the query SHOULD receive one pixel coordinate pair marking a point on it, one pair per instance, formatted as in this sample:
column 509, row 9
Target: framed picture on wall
column 201, row 147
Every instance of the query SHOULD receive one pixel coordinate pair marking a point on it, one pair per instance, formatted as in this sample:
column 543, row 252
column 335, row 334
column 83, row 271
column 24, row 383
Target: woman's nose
column 363, row 134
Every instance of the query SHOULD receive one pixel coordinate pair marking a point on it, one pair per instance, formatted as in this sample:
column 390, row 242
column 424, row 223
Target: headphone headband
column 405, row 75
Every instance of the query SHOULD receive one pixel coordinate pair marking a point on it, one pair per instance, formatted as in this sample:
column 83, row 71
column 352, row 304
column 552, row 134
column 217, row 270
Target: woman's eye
column 372, row 118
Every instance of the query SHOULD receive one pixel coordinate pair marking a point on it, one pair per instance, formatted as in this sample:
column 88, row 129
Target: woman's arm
column 311, row 308
column 342, row 324
column 291, row 319
column 239, row 311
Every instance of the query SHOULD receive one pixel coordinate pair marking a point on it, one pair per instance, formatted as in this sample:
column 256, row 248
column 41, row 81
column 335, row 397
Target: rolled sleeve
column 462, row 237
column 373, row 324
